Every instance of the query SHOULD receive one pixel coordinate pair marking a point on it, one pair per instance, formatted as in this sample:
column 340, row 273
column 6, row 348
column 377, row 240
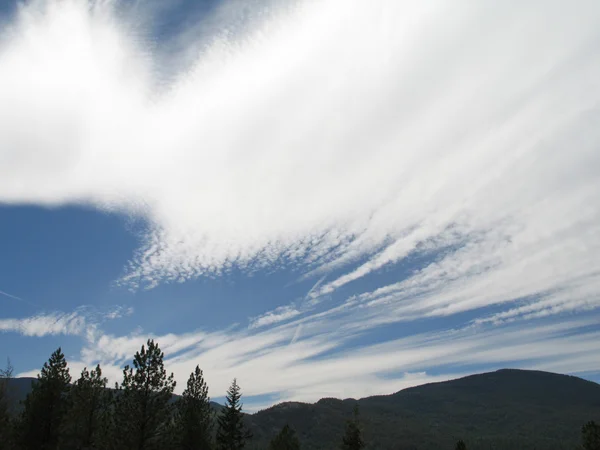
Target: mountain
column 507, row 409
column 514, row 409
column 18, row 388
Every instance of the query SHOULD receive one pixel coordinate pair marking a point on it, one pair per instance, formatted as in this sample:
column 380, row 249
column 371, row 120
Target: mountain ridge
column 507, row 408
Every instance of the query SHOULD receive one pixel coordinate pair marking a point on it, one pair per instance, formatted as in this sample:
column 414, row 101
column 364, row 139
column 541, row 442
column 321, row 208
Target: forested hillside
column 507, row 409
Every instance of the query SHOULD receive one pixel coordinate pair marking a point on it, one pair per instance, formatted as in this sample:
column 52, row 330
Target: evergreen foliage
column 45, row 406
column 285, row 440
column 142, row 408
column 352, row 440
column 141, row 414
column 460, row 445
column 6, row 432
column 232, row 434
column 590, row 436
column 194, row 420
column 88, row 403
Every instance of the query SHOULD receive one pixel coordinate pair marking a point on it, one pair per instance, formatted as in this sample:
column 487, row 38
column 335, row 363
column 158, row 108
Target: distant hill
column 18, row 389
column 507, row 409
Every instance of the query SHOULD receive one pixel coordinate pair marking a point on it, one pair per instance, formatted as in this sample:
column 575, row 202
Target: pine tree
column 352, row 440
column 590, row 436
column 285, row 440
column 6, row 432
column 194, row 415
column 45, row 406
column 460, row 445
column 142, row 409
column 231, row 434
column 89, row 400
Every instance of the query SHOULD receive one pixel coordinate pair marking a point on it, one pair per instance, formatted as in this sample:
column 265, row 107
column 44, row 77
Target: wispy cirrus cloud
column 46, row 324
column 279, row 314
column 83, row 321
column 399, row 140
column 341, row 138
column 320, row 363
column 118, row 312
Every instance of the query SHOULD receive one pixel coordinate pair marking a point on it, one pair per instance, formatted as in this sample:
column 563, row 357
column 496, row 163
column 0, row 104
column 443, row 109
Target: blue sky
column 330, row 198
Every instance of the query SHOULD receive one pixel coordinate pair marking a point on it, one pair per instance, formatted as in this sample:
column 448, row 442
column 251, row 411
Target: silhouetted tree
column 231, row 434
column 142, row 411
column 352, row 440
column 89, row 400
column 590, row 436
column 45, row 406
column 285, row 440
column 6, row 432
column 460, row 445
column 194, row 420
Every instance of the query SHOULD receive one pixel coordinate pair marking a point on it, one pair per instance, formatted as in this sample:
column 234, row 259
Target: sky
column 322, row 198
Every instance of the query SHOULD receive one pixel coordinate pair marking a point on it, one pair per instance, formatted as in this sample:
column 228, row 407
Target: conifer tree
column 194, row 420
column 460, row 445
column 45, row 406
column 89, row 400
column 143, row 411
column 231, row 434
column 590, row 436
column 6, row 433
column 285, row 440
column 352, row 440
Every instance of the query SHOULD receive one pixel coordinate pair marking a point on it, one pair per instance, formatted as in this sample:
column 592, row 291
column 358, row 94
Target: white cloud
column 118, row 312
column 83, row 321
column 331, row 131
column 321, row 364
column 46, row 324
column 334, row 133
column 279, row 314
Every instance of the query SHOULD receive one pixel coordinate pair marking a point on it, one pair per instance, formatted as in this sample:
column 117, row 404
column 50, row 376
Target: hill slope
column 507, row 409
column 18, row 388
column 504, row 409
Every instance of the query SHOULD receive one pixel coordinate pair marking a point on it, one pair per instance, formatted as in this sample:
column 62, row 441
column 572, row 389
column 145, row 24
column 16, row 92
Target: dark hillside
column 507, row 409
column 503, row 409
column 18, row 389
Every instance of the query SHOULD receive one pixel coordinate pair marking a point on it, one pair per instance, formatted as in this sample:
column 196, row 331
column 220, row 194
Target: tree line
column 140, row 413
